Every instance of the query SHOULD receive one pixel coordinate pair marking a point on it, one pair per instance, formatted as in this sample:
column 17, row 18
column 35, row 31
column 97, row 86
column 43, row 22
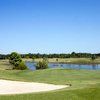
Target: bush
column 42, row 65
column 22, row 66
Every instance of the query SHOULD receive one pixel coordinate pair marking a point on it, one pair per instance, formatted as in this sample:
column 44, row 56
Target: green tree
column 16, row 60
column 93, row 57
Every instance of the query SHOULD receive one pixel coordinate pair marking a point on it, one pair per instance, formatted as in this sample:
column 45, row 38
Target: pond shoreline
column 31, row 66
column 76, row 63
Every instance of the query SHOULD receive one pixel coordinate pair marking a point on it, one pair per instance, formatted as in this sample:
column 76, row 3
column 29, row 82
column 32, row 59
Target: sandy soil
column 16, row 87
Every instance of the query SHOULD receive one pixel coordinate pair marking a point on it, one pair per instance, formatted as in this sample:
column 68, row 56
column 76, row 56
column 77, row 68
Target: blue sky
column 49, row 26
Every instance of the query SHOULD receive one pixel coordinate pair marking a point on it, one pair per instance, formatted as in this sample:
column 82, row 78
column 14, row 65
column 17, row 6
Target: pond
column 31, row 66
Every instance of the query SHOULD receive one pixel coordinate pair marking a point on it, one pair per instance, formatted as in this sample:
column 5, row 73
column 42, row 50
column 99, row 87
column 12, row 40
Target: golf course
column 83, row 84
column 49, row 50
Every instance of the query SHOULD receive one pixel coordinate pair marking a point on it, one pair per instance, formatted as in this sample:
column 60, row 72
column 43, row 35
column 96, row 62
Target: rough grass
column 4, row 65
column 68, row 60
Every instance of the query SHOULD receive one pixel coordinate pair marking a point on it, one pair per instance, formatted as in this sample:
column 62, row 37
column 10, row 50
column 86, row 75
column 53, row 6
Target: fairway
column 85, row 85
column 49, row 50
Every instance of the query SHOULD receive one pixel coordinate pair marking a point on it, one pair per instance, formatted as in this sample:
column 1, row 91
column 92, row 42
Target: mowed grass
column 54, row 76
column 90, row 93
column 85, row 84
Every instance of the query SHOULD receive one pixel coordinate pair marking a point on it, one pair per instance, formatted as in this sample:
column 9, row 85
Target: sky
column 49, row 26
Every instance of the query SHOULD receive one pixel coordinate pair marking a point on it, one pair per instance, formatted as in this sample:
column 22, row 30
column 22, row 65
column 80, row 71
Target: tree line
column 38, row 55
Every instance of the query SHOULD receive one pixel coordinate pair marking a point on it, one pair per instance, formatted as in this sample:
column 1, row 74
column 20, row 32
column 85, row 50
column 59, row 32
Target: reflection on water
column 31, row 66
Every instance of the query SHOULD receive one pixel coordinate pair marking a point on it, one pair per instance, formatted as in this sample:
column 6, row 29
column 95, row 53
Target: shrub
column 22, row 66
column 93, row 57
column 42, row 65
column 56, row 59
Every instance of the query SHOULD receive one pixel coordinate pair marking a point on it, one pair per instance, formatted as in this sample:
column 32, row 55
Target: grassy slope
column 85, row 84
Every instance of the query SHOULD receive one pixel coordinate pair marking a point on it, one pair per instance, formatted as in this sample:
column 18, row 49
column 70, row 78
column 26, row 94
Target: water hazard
column 31, row 66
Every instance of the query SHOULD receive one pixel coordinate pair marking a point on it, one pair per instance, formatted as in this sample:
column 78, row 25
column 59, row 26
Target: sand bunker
column 16, row 87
